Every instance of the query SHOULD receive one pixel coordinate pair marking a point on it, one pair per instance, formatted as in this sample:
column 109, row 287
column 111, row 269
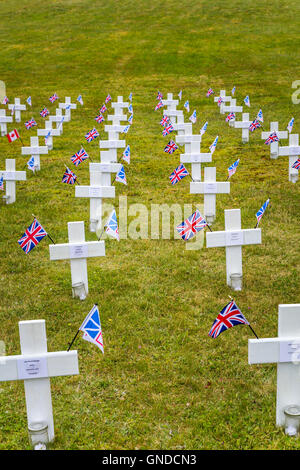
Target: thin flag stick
column 70, row 344
column 253, row 331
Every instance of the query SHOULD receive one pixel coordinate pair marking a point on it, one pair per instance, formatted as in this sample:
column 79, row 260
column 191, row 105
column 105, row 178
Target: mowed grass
column 162, row 383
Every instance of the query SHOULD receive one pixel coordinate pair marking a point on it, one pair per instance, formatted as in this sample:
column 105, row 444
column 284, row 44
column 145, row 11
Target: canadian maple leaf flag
column 13, row 135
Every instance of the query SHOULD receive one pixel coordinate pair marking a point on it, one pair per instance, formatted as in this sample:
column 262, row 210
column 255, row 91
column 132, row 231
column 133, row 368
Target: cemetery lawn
column 162, row 383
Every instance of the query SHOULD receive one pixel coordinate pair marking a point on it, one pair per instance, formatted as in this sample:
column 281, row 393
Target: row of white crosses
column 11, row 176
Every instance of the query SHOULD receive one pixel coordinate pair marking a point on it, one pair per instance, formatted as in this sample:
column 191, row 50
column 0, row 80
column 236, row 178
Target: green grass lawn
column 162, row 383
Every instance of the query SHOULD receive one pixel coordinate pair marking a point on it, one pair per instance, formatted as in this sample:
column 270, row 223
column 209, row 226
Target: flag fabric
column 212, row 148
column 130, row 119
column 220, row 101
column 44, row 112
column 47, row 137
column 247, row 101
column 178, row 174
column 230, row 117
column 254, row 125
column 32, row 236
column 92, row 135
column 165, row 121
column 209, row 92
column 112, row 226
column 120, row 176
column 168, row 129
column 79, row 157
column 193, row 224
column 261, row 211
column 159, row 105
column 80, row 100
column 99, row 118
column 1, row 183
column 13, row 135
column 107, row 99
column 126, row 154
column 180, row 95
column 233, row 91
column 296, row 164
column 130, row 97
column 229, row 316
column 12, row 111
column 273, row 137
column 30, row 164
column 259, row 116
column 187, row 106
column 91, row 328
column 53, row 98
column 103, row 109
column 69, row 177
column 130, row 109
column 171, row 147
column 203, row 128
column 232, row 168
column 126, row 129
column 193, row 117
column 29, row 100
column 159, row 96
column 30, row 123
column 5, row 100
column 290, row 125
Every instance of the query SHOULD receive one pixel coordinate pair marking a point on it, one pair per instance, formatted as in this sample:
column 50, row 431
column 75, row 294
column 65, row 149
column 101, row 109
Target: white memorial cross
column 175, row 115
column 77, row 251
column 170, row 103
column 119, row 105
column 285, row 351
column 232, row 108
column 117, row 118
column 210, row 187
column 274, row 145
column 193, row 154
column 59, row 118
column 183, row 128
column 96, row 191
column 10, row 176
column 244, row 125
column 67, row 106
column 233, row 238
column 225, row 99
column 113, row 131
column 293, row 152
column 17, row 107
column 35, row 366
column 109, row 156
column 3, row 121
column 53, row 133
column 35, row 150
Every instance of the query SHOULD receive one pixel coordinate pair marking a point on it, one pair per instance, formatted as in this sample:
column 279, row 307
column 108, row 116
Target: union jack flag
column 229, row 316
column 91, row 328
column 126, row 154
column 193, row 224
column 159, row 96
column 30, row 123
column 260, row 116
column 209, row 92
column 178, row 174
column 261, row 211
column 171, row 147
column 254, row 125
column 112, row 226
column 296, row 164
column 159, row 105
column 44, row 112
column 193, row 117
column 167, row 130
column 103, row 109
column 5, row 100
column 32, row 236
column 79, row 157
column 1, row 183
column 247, row 101
column 165, row 121
column 99, row 118
column 121, row 177
column 273, row 137
column 212, row 148
column 290, row 125
column 53, row 98
column 203, row 129
column 92, row 135
column 230, row 117
column 187, row 106
column 220, row 101
column 69, row 177
column 108, row 99
column 232, row 168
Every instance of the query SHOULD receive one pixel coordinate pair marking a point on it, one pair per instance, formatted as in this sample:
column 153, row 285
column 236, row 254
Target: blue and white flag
column 180, row 94
column 259, row 116
column 121, row 177
column 126, row 154
column 247, row 101
column 91, row 328
column 212, row 148
column 232, row 168
column 126, row 129
column 290, row 125
column 29, row 100
column 130, row 97
column 233, row 91
column 203, row 129
column 47, row 137
column 261, row 211
column 187, row 106
column 130, row 118
column 111, row 226
column 1, row 183
column 130, row 109
column 79, row 98
column 193, row 117
column 30, row 164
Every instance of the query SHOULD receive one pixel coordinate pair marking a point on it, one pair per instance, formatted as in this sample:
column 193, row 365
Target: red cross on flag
column 13, row 135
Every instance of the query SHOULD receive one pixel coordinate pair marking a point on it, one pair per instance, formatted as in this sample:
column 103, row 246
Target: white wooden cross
column 3, row 121
column 176, row 116
column 283, row 350
column 274, row 145
column 233, row 238
column 59, row 118
column 117, row 118
column 232, row 107
column 109, row 156
column 10, row 176
column 96, row 191
column 210, row 188
column 119, row 105
column 225, row 99
column 35, row 366
column 114, row 131
column 193, row 154
column 53, row 133
column 183, row 128
column 170, row 103
column 17, row 107
column 77, row 251
column 293, row 152
column 67, row 106
column 244, row 125
column 35, row 150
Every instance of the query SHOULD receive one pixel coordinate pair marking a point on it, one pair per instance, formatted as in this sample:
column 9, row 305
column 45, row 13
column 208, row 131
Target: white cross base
column 274, row 145
column 210, row 188
column 77, row 251
column 35, row 150
column 10, row 176
column 244, row 125
column 3, row 121
column 293, row 152
column 233, row 238
column 285, row 351
column 33, row 342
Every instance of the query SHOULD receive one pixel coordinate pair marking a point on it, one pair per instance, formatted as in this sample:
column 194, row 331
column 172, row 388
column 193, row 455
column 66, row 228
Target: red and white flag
column 13, row 135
